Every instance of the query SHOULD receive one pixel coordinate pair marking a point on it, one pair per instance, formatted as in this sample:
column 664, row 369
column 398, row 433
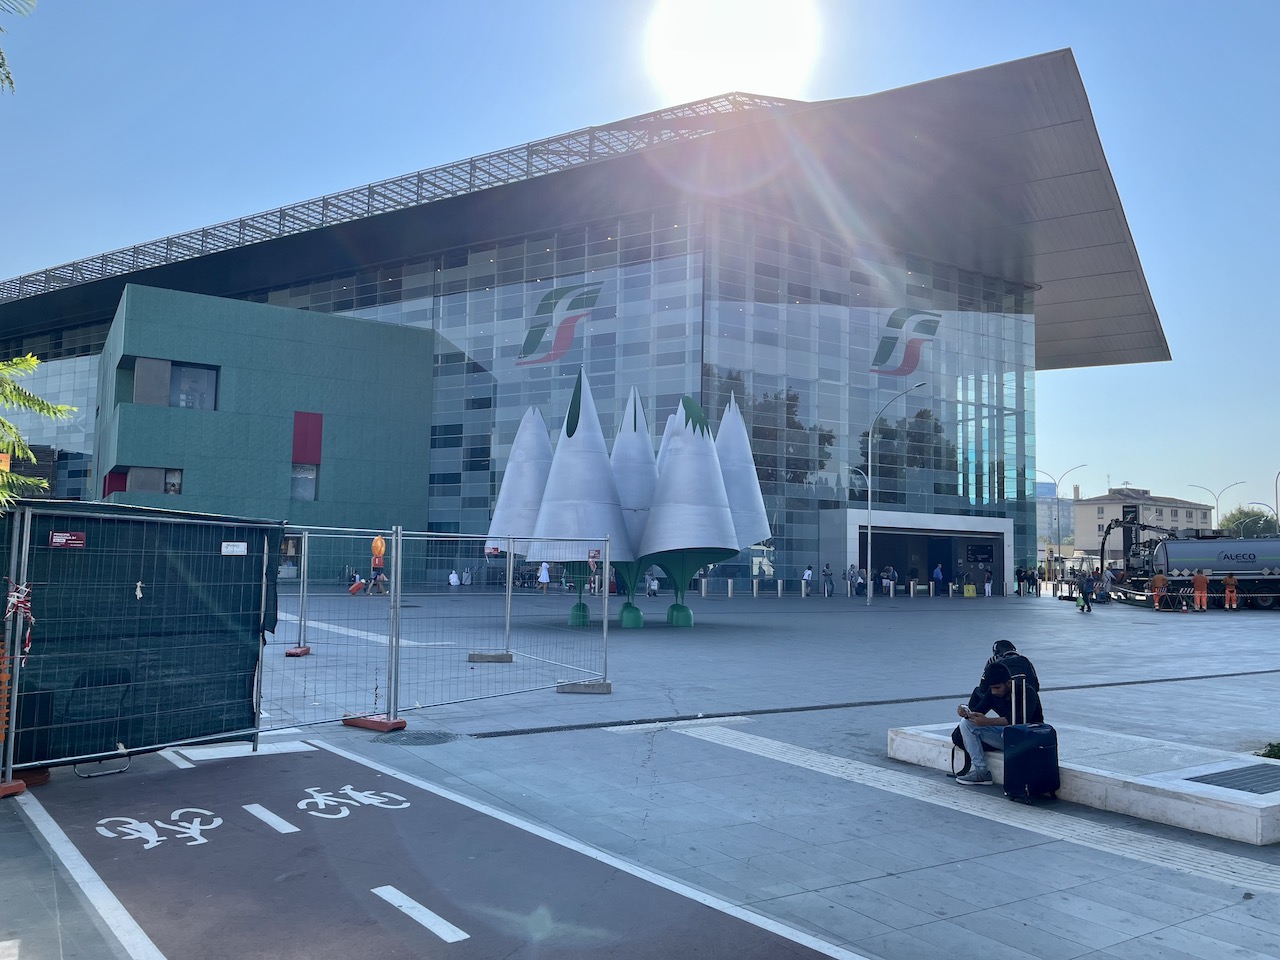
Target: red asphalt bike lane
column 328, row 847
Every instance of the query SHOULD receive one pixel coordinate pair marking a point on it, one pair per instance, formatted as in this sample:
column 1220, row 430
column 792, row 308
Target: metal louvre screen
column 145, row 629
column 452, row 625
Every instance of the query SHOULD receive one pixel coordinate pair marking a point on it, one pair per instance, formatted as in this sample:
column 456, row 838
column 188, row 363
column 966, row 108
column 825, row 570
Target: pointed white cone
column 741, row 482
column 581, row 498
column 523, row 483
column 690, row 507
column 635, row 470
column 666, row 436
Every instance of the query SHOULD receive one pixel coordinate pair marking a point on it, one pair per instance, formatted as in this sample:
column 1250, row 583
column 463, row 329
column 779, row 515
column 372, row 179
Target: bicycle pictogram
column 339, row 803
column 130, row 828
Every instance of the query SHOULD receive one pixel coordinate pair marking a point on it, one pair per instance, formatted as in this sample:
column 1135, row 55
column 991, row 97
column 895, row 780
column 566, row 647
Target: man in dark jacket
column 982, row 726
column 1003, row 652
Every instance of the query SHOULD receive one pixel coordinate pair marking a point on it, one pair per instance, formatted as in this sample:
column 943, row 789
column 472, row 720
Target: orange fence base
column 12, row 788
column 297, row 651
column 379, row 723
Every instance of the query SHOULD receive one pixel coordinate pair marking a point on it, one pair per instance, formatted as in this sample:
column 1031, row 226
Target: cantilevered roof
column 998, row 171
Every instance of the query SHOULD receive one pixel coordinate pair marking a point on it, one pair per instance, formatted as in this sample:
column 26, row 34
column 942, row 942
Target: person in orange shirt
column 1200, row 584
column 1159, row 583
column 1229, row 592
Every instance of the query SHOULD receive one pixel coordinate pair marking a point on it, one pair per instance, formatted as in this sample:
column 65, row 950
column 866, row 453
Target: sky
column 135, row 120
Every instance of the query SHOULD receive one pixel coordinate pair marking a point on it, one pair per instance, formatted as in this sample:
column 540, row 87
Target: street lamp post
column 1217, row 513
column 1057, row 496
column 871, row 476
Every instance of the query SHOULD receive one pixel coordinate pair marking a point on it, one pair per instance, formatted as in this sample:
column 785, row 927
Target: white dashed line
column 279, row 824
column 441, row 927
column 182, row 763
column 1173, row 854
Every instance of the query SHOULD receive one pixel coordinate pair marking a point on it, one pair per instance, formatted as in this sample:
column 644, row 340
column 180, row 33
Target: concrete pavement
column 780, row 800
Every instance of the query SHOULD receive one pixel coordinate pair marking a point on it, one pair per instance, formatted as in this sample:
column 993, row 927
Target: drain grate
column 416, row 738
column 1259, row 778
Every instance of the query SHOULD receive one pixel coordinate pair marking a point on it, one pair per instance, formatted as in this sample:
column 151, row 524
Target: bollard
column 848, row 588
column 779, row 588
column 730, row 582
column 702, row 586
column 912, row 588
column 951, row 591
column 755, row 586
column 931, row 589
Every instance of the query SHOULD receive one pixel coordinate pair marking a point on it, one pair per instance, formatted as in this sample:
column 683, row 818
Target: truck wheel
column 1263, row 601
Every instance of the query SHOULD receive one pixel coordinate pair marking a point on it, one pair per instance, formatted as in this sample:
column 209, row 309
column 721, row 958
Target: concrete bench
column 1141, row 777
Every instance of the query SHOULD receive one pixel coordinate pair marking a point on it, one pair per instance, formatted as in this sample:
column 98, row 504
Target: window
column 1101, row 512
column 1188, row 513
column 193, row 388
column 1160, row 511
column 173, row 481
column 1100, row 527
column 302, row 485
column 1204, row 515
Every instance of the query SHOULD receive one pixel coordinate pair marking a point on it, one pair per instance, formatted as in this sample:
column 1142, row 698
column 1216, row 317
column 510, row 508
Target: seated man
column 1003, row 652
column 979, row 730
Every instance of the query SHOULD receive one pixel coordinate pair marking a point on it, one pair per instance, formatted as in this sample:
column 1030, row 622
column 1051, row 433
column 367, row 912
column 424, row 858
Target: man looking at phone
column 980, row 730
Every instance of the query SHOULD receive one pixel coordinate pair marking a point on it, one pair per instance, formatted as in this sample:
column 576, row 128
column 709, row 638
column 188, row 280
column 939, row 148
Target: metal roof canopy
column 997, row 171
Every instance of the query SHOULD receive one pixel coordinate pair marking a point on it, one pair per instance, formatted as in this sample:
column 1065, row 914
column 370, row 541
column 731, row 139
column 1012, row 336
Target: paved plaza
column 742, row 764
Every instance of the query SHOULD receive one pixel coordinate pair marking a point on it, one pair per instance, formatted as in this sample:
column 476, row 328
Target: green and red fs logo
column 922, row 331
column 558, row 314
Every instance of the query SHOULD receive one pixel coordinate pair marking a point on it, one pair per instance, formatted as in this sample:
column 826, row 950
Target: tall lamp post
column 871, row 476
column 1057, row 496
column 1217, row 514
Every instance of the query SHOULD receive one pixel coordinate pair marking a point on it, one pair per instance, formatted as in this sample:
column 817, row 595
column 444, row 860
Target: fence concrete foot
column 32, row 776
column 297, row 651
column 12, row 788
column 631, row 616
column 585, row 686
column 579, row 615
column 379, row 722
column 488, row 657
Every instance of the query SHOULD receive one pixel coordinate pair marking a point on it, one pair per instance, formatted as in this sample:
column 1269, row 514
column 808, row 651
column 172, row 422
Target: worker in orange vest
column 1200, row 584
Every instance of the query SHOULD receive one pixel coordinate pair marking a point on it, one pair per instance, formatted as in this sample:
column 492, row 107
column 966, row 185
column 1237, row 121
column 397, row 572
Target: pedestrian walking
column 544, row 576
column 937, row 580
column 986, row 584
column 806, row 581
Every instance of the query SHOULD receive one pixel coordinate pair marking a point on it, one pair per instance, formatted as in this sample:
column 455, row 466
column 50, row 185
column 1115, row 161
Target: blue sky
column 136, row 120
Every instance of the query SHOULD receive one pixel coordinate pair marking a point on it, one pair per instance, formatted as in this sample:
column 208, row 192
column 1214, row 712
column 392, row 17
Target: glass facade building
column 875, row 279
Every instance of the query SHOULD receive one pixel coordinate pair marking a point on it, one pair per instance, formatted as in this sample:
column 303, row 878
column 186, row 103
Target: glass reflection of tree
column 786, row 450
column 910, row 444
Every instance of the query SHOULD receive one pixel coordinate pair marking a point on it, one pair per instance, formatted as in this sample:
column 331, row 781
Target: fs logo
column 925, row 327
column 557, row 313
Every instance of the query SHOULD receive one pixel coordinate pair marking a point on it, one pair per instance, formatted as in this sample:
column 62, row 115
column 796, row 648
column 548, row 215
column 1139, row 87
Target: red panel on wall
column 307, row 428
column 114, row 482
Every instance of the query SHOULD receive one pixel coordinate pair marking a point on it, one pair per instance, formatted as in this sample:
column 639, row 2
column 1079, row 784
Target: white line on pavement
column 365, row 634
column 279, row 824
column 136, row 943
column 698, row 896
column 441, row 927
column 223, row 750
column 178, row 761
column 677, row 724
column 1173, row 854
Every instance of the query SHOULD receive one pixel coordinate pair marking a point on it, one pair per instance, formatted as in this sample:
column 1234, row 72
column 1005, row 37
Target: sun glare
column 698, row 48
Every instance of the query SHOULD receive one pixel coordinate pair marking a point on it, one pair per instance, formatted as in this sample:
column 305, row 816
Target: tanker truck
column 1256, row 564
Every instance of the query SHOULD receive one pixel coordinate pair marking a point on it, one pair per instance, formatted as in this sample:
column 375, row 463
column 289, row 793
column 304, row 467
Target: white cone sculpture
column 516, row 513
column 666, row 436
column 581, row 499
column 741, row 483
column 635, row 470
column 690, row 523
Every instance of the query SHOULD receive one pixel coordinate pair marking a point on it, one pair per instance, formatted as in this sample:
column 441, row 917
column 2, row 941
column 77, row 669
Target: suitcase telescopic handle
column 1013, row 700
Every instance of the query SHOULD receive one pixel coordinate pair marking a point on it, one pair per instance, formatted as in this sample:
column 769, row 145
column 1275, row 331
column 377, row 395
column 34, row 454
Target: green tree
column 13, row 396
column 22, row 8
column 1249, row 523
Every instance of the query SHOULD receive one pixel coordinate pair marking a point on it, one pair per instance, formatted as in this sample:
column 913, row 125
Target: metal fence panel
column 145, row 629
column 453, row 624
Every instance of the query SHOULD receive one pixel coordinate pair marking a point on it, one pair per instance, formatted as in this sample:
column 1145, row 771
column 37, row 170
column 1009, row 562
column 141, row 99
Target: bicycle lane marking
column 204, row 877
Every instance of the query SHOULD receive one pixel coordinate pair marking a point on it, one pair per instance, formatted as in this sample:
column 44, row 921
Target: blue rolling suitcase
column 1030, row 751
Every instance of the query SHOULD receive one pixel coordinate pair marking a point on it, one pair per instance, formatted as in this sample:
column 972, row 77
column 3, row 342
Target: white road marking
column 131, row 936
column 365, row 634
column 279, row 824
column 9, row 949
column 676, row 724
column 666, row 883
column 222, row 750
column 178, row 761
column 990, row 805
column 441, row 927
